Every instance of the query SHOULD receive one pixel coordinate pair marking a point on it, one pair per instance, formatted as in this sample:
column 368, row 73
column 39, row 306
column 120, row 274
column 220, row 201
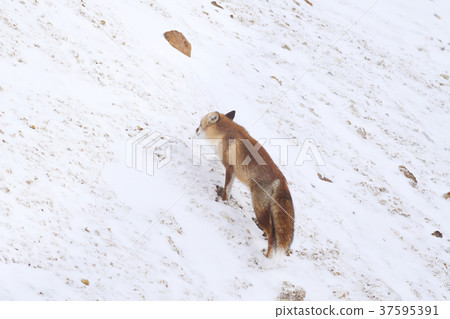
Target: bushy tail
column 282, row 211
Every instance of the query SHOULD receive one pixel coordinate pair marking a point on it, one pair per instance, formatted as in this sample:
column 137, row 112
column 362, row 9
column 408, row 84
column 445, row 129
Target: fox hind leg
column 263, row 216
column 265, row 222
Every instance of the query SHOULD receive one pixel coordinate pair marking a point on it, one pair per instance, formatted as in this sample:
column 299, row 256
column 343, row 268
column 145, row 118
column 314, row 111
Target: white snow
column 73, row 91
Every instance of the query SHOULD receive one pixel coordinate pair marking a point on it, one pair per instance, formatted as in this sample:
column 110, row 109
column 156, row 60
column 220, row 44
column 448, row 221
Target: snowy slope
column 74, row 89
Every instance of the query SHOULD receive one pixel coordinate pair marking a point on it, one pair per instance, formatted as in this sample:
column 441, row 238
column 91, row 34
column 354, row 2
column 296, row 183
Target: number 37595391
column 408, row 310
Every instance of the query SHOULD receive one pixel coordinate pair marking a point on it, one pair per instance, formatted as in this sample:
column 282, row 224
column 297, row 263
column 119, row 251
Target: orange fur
column 271, row 198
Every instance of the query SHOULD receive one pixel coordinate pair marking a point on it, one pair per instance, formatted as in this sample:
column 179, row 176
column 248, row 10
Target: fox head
column 210, row 120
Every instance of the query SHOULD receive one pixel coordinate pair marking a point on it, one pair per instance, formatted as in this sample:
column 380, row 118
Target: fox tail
column 282, row 214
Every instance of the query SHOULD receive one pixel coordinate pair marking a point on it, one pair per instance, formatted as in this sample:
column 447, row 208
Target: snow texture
column 79, row 77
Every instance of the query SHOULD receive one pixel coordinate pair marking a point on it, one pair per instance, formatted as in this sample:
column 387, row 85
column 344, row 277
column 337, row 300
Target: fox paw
column 219, row 190
column 266, row 253
column 220, row 194
column 259, row 226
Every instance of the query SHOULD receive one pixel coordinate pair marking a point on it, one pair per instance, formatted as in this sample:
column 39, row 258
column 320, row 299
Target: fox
column 243, row 157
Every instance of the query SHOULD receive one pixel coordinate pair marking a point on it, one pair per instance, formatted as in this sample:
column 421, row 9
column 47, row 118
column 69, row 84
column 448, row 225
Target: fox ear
column 231, row 115
column 213, row 117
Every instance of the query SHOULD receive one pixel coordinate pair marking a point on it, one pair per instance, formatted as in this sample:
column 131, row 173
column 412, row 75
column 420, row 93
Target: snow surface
column 74, row 89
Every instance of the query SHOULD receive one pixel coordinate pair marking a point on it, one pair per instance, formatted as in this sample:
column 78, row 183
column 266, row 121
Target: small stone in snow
column 437, row 234
column 85, row 281
column 216, row 5
column 325, row 179
column 408, row 174
column 178, row 41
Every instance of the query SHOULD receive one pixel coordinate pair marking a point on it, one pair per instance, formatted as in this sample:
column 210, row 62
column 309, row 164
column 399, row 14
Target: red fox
column 245, row 158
